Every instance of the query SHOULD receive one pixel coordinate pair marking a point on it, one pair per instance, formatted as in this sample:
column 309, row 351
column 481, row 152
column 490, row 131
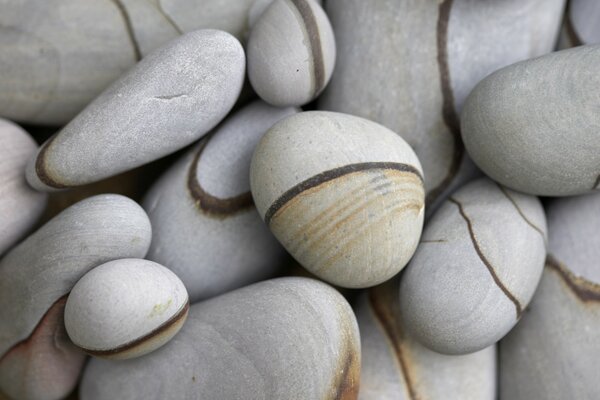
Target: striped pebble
column 344, row 196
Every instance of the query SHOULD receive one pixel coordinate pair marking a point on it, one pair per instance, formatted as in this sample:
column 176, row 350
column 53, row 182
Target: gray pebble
column 477, row 266
column 205, row 226
column 167, row 101
column 286, row 338
column 516, row 123
column 581, row 24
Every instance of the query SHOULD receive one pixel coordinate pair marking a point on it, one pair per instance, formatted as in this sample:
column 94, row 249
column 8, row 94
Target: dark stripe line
column 170, row 20
column 584, row 289
column 486, row 262
column 597, row 183
column 209, row 203
column 448, row 108
column 571, row 32
column 129, row 29
column 521, row 213
column 40, row 167
column 314, row 38
column 330, row 175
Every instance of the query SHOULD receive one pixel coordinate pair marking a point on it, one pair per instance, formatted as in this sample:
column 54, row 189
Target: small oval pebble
column 580, row 25
column 20, row 206
column 125, row 309
column 516, row 121
column 397, row 367
column 344, row 195
column 286, row 338
column 205, row 226
column 167, row 101
column 552, row 354
column 476, row 268
column 291, row 52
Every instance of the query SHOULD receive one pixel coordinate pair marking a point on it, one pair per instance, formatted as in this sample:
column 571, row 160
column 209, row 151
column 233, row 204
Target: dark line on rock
column 209, row 203
column 584, row 289
column 170, row 97
column 434, row 241
column 129, row 29
column 40, row 167
column 521, row 213
column 448, row 107
column 314, row 38
column 597, row 183
column 330, row 175
column 346, row 387
column 571, row 32
column 485, row 261
column 168, row 18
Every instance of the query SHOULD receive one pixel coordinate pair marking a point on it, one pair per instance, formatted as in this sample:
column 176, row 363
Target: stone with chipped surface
column 285, row 338
column 205, row 226
column 476, row 269
column 167, row 101
column 343, row 194
column 552, row 354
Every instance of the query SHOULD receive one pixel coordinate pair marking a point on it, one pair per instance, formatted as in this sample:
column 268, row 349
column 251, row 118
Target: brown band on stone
column 584, row 289
column 40, row 167
column 347, row 383
column 331, row 175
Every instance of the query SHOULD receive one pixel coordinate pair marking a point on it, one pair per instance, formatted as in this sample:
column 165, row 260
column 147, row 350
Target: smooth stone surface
column 580, row 24
column 59, row 55
column 553, row 352
column 291, row 52
column 258, row 8
column 20, row 207
column 409, row 65
column 344, row 195
column 533, row 126
column 478, row 264
column 125, row 308
column 280, row 339
column 397, row 367
column 205, row 226
column 168, row 100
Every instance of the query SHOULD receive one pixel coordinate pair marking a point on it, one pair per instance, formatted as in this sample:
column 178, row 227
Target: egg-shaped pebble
column 397, row 367
column 343, row 194
column 20, row 206
column 168, row 100
column 478, row 264
column 533, row 126
column 291, row 52
column 580, row 25
column 409, row 65
column 552, row 354
column 125, row 308
column 38, row 273
column 205, row 226
column 280, row 339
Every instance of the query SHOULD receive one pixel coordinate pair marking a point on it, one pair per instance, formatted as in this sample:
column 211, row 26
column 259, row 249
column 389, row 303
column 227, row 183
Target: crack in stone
column 128, row 28
column 170, row 97
column 521, row 213
column 585, row 290
column 167, row 18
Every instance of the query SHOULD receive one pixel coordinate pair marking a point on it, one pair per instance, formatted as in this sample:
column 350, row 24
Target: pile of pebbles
column 398, row 200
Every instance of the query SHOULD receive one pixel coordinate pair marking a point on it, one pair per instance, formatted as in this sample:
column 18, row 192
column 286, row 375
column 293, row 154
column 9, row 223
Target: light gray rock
column 478, row 264
column 58, row 55
column 552, row 353
column 343, row 194
column 281, row 339
column 205, row 226
column 37, row 274
column 410, row 64
column 291, row 52
column 581, row 24
column 397, row 367
column 20, row 206
column 170, row 99
column 258, row 8
column 533, row 126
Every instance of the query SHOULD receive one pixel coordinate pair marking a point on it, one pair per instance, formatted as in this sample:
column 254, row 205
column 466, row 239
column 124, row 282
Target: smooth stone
column 409, row 65
column 344, row 195
column 205, row 226
column 479, row 262
column 258, row 8
column 20, row 206
column 291, row 52
column 553, row 352
column 37, row 274
column 516, row 120
column 397, row 367
column 276, row 339
column 580, row 24
column 59, row 55
column 168, row 100
column 125, row 308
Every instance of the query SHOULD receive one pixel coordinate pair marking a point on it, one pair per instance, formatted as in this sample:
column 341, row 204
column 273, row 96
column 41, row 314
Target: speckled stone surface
column 285, row 338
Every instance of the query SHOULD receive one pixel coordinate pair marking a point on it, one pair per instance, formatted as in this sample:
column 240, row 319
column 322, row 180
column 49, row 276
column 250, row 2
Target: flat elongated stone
column 533, row 126
column 167, row 101
column 478, row 264
column 343, row 194
column 280, row 339
column 20, row 206
column 580, row 25
column 205, row 226
column 553, row 352
column 410, row 64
